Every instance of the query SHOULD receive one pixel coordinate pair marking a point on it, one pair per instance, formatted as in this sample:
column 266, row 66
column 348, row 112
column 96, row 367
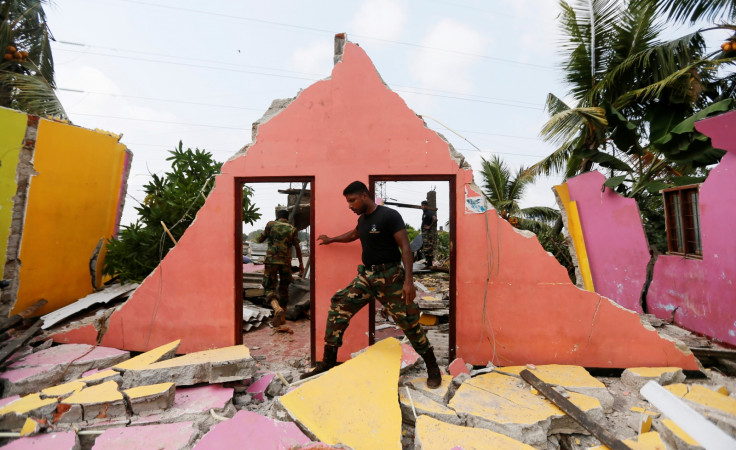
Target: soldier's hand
column 409, row 292
column 325, row 240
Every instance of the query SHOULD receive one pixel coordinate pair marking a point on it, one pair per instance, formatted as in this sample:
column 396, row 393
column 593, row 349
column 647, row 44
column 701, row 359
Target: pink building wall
column 701, row 294
column 514, row 303
column 614, row 239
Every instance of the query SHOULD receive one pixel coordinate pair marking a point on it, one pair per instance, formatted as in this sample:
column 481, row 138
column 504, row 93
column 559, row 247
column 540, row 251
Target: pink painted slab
column 172, row 436
column 457, row 367
column 409, row 356
column 193, row 400
column 259, row 432
column 66, row 354
column 55, row 441
column 258, row 388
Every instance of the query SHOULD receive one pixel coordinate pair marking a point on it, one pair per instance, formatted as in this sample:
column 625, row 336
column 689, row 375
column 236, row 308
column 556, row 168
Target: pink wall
column 515, row 303
column 703, row 292
column 614, row 239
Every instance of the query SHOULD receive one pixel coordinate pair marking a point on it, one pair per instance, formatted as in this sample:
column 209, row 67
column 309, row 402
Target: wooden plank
column 20, row 341
column 573, row 411
column 17, row 319
column 714, row 353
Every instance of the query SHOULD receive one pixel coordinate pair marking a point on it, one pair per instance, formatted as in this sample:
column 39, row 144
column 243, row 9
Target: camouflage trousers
column 429, row 243
column 386, row 286
column 277, row 275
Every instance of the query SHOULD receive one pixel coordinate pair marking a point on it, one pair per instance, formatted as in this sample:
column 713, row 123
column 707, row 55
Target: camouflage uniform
column 429, row 243
column 281, row 237
column 385, row 285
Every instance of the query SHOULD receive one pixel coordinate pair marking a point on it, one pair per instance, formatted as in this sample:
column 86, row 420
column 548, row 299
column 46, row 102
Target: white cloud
column 382, row 19
column 316, row 58
column 436, row 69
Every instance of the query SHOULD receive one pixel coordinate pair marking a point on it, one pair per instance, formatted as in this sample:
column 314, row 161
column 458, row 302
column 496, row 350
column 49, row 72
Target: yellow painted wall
column 12, row 132
column 72, row 203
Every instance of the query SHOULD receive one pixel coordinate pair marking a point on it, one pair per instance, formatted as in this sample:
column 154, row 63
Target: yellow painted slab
column 679, row 432
column 644, row 411
column 12, row 131
column 704, row 396
column 562, row 375
column 499, row 398
column 29, row 427
column 65, row 389
column 101, row 393
column 149, row 357
column 437, row 435
column 99, row 376
column 647, row 441
column 73, row 202
column 235, row 352
column 652, row 372
column 27, row 403
column 146, row 391
column 422, row 402
column 420, row 384
column 355, row 403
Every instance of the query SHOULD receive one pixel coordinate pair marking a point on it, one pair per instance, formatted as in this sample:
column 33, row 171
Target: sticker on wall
column 476, row 204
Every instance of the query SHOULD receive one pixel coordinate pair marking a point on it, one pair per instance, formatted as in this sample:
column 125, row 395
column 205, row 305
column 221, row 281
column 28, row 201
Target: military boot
column 434, row 376
column 329, row 361
column 279, row 314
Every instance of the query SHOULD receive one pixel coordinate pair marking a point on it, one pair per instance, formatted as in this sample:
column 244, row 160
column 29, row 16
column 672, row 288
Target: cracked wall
column 515, row 303
column 698, row 293
column 65, row 193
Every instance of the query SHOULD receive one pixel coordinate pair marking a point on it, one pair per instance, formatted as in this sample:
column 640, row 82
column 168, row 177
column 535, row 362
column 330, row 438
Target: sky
column 161, row 71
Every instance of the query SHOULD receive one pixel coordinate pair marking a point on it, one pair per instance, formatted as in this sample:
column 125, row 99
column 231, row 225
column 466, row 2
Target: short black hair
column 356, row 187
column 282, row 214
column 424, row 202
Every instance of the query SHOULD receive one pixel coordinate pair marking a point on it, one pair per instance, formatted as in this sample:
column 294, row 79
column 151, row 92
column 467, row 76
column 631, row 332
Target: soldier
column 429, row 234
column 281, row 237
column 382, row 232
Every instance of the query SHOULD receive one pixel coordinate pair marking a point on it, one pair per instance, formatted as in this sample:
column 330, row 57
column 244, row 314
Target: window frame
column 682, row 221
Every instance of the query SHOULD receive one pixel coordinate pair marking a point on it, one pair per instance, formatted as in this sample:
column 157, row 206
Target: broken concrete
column 505, row 404
column 65, row 440
column 258, row 388
column 254, row 431
column 636, row 377
column 414, row 404
column 333, row 411
column 432, row 434
column 46, row 368
column 13, row 415
column 439, row 394
column 99, row 402
column 209, row 366
column 96, row 298
column 674, row 436
column 172, row 436
column 145, row 400
column 191, row 403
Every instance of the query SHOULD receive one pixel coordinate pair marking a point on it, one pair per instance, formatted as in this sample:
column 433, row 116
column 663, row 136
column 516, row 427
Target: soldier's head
column 358, row 198
column 425, row 205
column 282, row 214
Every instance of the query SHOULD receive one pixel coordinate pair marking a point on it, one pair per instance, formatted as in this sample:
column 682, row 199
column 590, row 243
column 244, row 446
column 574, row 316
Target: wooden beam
column 17, row 319
column 407, row 205
column 573, row 411
column 714, row 352
column 20, row 341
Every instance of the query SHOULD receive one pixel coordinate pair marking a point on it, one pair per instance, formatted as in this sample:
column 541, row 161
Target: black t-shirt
column 376, row 232
column 427, row 217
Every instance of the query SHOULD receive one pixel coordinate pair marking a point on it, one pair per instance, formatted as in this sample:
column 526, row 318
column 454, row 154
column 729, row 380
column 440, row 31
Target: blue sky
column 160, row 71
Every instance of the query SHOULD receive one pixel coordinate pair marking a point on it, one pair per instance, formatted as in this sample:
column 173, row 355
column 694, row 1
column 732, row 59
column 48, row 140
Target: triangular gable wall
column 351, row 127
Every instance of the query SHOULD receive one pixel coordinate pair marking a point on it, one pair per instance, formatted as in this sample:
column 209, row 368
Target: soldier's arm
column 264, row 235
column 409, row 292
column 298, row 250
column 350, row 236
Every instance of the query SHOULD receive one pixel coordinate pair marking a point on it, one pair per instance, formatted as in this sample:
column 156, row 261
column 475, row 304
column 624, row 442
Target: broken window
column 682, row 220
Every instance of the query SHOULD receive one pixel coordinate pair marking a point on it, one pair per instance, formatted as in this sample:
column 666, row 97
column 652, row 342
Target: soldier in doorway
column 281, row 237
column 429, row 234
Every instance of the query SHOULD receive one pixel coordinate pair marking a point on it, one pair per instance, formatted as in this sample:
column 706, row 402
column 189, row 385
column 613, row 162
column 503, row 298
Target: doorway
column 436, row 286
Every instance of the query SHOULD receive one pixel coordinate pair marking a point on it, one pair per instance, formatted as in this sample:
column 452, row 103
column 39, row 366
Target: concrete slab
column 99, row 402
column 415, row 402
column 102, row 297
column 636, row 377
column 64, row 390
column 145, row 400
column 675, row 436
column 646, row 441
column 409, row 357
column 209, row 366
column 170, row 436
column 58, row 441
column 718, row 408
column 354, row 403
column 259, row 432
column 13, row 415
column 505, row 404
column 53, row 365
column 572, row 378
column 439, row 394
column 457, row 367
column 161, row 353
column 258, row 388
column 432, row 434
column 190, row 402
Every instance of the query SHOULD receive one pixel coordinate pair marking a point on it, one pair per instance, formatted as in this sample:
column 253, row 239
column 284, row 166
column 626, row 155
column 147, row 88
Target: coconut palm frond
column 655, row 90
column 33, row 94
column 541, row 213
column 695, row 10
column 563, row 127
column 496, row 176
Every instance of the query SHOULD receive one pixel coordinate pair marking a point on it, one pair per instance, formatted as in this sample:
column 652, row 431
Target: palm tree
column 695, row 10
column 27, row 67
